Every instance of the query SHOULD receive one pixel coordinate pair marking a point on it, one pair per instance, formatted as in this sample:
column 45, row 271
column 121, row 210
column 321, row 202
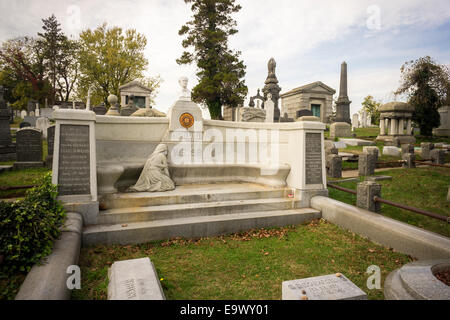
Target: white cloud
column 289, row 30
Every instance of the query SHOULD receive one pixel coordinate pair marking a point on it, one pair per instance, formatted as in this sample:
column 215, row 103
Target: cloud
column 309, row 39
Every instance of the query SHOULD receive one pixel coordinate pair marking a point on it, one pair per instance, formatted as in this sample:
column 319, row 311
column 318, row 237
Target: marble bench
column 113, row 177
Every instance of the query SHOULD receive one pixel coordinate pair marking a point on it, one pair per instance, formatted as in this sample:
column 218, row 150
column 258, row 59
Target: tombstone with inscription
column 29, row 148
column 330, row 287
column 7, row 148
column 50, row 146
column 74, row 158
column 313, row 158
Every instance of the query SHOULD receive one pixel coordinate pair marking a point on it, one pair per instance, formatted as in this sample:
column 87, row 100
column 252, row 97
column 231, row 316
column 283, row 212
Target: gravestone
column 407, row 148
column 23, row 114
column 46, row 112
column 355, row 120
column 391, row 151
column 7, row 148
column 408, row 159
column 372, row 150
column 270, row 109
column 28, row 148
column 426, row 148
column 43, row 124
column 366, row 164
column 134, row 280
column 437, row 156
column 334, row 166
column 366, row 191
column 74, row 160
column 50, row 146
column 313, row 158
column 24, row 124
column 329, row 287
column 100, row 109
column 31, row 120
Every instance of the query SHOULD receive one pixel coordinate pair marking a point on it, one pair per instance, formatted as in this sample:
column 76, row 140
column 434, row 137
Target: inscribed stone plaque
column 313, row 158
column 74, row 160
column 330, row 287
column 29, row 145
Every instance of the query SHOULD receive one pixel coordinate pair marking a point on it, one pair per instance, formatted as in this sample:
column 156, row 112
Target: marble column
column 382, row 127
column 408, row 126
column 393, row 128
column 401, row 126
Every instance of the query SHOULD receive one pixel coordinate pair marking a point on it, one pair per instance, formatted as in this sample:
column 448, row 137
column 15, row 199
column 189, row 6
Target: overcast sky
column 308, row 39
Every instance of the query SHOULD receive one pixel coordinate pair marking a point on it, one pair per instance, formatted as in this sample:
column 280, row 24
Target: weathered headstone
column 407, row 148
column 391, row 151
column 366, row 191
column 270, row 108
column 28, row 148
column 134, row 280
column 329, row 287
column 372, row 150
column 408, row 159
column 355, row 121
column 23, row 114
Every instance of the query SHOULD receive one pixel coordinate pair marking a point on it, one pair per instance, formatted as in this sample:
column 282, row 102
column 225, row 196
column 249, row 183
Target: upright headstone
column 29, row 148
column 355, row 121
column 23, row 114
column 42, row 124
column 270, row 109
column 74, row 158
column 50, row 146
column 7, row 148
column 426, row 148
column 334, row 166
column 31, row 120
column 437, row 156
column 313, row 158
column 366, row 164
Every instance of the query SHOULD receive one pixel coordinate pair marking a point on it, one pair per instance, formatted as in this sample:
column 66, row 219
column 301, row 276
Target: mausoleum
column 141, row 94
column 395, row 123
column 316, row 97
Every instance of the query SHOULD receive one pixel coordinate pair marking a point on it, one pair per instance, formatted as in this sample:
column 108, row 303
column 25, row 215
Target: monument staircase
column 194, row 211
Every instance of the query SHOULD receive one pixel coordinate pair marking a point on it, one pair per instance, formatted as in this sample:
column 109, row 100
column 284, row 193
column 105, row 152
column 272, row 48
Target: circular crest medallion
column 187, row 120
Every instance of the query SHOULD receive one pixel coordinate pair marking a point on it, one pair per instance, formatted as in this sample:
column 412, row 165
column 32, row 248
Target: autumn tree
column 219, row 71
column 372, row 108
column 426, row 85
column 109, row 58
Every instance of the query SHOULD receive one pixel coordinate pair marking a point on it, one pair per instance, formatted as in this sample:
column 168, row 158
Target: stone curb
column 402, row 237
column 48, row 281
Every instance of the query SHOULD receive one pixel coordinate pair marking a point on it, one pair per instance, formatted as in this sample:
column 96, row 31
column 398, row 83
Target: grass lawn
column 20, row 178
column 425, row 188
column 249, row 265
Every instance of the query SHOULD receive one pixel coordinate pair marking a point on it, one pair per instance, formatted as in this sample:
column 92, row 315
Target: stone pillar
column 373, row 151
column 408, row 126
column 409, row 159
column 401, row 126
column 393, row 128
column 365, row 193
column 366, row 164
column 343, row 102
column 407, row 148
column 437, row 156
column 334, row 166
column 382, row 127
column 426, row 150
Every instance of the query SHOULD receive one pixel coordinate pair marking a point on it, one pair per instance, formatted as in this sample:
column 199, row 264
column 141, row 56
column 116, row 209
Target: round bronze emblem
column 187, row 120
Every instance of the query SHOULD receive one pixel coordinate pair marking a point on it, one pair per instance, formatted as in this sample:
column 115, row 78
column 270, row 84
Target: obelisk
column 342, row 122
column 343, row 103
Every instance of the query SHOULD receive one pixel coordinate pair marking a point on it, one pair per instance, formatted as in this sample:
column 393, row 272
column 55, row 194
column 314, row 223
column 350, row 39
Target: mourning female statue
column 155, row 175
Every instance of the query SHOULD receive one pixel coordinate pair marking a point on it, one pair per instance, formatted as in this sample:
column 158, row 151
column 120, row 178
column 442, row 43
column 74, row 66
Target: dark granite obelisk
column 7, row 148
column 343, row 103
column 273, row 88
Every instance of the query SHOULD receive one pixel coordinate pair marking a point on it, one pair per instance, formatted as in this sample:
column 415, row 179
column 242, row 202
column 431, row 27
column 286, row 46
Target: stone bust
column 185, row 94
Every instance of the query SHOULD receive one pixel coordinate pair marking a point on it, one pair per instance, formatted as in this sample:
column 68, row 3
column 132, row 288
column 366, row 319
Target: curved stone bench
column 114, row 177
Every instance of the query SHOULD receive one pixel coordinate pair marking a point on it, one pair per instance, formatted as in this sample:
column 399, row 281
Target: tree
column 426, row 85
column 372, row 107
column 53, row 41
column 219, row 69
column 67, row 69
column 109, row 58
column 23, row 71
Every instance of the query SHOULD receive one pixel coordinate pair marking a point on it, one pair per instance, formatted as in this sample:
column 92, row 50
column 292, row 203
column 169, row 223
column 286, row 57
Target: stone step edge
column 193, row 206
column 197, row 219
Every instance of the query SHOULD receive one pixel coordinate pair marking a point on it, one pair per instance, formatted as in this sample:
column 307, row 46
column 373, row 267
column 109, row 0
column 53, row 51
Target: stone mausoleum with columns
column 395, row 123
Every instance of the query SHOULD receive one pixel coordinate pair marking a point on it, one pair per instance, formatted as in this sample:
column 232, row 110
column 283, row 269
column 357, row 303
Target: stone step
column 194, row 227
column 174, row 211
column 193, row 194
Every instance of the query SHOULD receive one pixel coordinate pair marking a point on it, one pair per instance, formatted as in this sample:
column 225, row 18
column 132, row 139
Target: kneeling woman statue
column 155, row 176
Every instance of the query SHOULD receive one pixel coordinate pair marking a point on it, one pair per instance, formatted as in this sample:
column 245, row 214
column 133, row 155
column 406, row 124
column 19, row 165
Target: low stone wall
column 400, row 236
column 48, row 281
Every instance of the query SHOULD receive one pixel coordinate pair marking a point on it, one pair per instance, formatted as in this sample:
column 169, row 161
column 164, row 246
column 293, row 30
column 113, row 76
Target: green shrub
column 29, row 227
